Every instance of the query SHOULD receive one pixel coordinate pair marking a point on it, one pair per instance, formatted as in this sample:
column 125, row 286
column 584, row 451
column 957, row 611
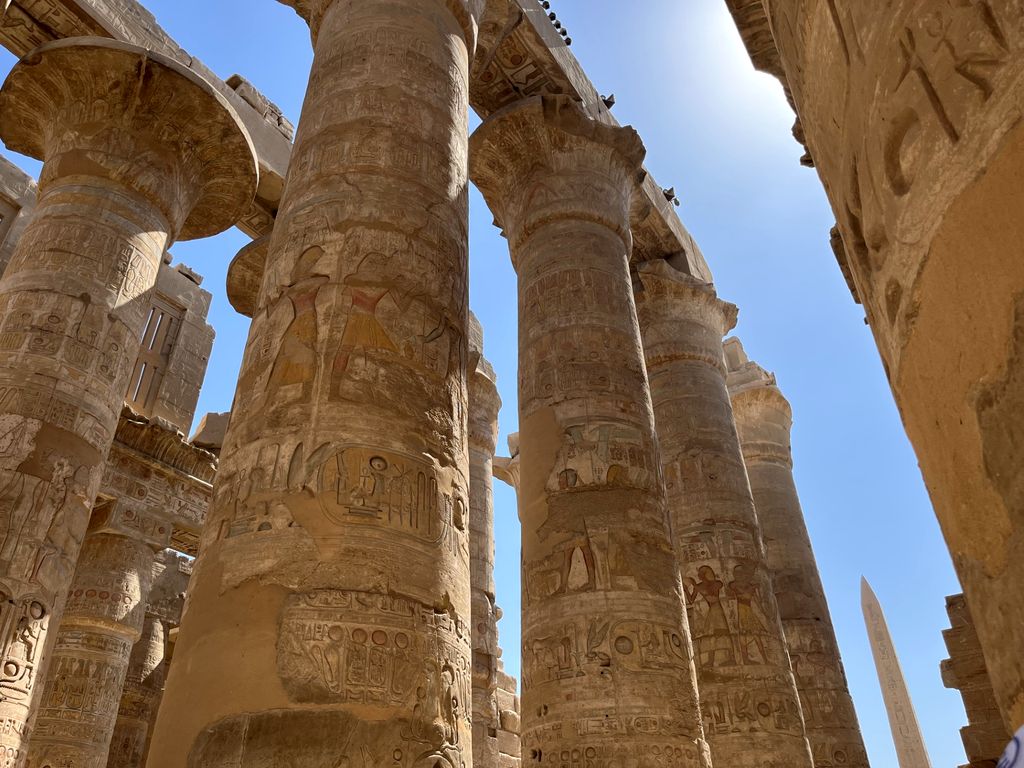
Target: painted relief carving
column 22, row 628
column 356, row 647
column 731, row 621
column 599, row 453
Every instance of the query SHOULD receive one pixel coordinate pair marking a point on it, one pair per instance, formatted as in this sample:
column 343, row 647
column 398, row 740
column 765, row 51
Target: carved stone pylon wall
column 764, row 420
column 338, row 535
column 751, row 710
column 137, row 151
column 608, row 674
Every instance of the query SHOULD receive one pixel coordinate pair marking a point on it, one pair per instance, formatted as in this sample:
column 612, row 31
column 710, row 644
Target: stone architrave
column 906, row 731
column 338, row 534
column 484, row 404
column 764, row 420
column 910, row 110
column 103, row 620
column 752, row 714
column 137, row 152
column 608, row 674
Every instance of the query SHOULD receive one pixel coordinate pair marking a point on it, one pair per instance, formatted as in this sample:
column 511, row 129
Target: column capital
column 102, row 108
column 484, row 405
column 667, row 298
column 764, row 417
column 506, row 468
column 466, row 12
column 245, row 276
column 543, row 159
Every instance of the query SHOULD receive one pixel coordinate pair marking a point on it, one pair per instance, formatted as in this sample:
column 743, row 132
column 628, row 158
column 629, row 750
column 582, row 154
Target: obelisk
column 906, row 731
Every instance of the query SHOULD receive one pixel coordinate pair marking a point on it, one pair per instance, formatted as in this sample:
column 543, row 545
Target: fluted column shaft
column 484, row 404
column 751, row 709
column 137, row 151
column 764, row 421
column 143, row 689
column 103, row 620
column 607, row 670
column 338, row 534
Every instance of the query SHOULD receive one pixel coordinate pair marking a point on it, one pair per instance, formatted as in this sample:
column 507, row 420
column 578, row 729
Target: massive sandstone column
column 484, row 405
column 137, row 151
column 764, row 420
column 608, row 673
column 143, row 689
column 751, row 709
column 911, row 112
column 328, row 616
column 102, row 622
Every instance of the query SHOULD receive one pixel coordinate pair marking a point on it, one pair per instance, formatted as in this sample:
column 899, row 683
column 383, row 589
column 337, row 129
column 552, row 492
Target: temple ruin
column 309, row 582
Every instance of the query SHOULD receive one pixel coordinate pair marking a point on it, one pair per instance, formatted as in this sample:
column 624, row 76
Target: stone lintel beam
column 505, row 24
column 520, row 55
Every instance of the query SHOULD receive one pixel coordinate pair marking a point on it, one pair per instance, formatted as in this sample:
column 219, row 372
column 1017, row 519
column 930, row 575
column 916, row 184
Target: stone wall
column 984, row 736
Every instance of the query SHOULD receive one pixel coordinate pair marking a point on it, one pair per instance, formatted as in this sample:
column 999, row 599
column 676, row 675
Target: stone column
column 143, row 688
column 137, row 151
column 763, row 420
column 608, row 674
column 911, row 112
column 338, row 534
column 751, row 710
column 484, row 405
column 103, row 620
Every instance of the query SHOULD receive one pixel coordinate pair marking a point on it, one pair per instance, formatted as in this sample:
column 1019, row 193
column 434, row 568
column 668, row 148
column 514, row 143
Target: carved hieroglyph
column 906, row 731
column 484, row 405
column 103, row 619
column 140, row 698
column 764, row 420
column 147, row 667
column 911, row 110
column 338, row 536
column 608, row 673
column 137, row 151
column 752, row 714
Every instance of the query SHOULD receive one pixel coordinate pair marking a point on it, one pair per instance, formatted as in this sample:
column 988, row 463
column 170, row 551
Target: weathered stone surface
column 104, row 617
column 608, row 673
column 752, row 714
column 211, row 431
column 143, row 688
column 339, row 529
column 985, row 736
column 137, row 151
column 764, row 420
column 484, row 405
column 17, row 199
column 911, row 110
column 906, row 731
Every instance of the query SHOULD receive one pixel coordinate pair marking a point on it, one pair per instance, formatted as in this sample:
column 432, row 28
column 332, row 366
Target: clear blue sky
column 720, row 133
